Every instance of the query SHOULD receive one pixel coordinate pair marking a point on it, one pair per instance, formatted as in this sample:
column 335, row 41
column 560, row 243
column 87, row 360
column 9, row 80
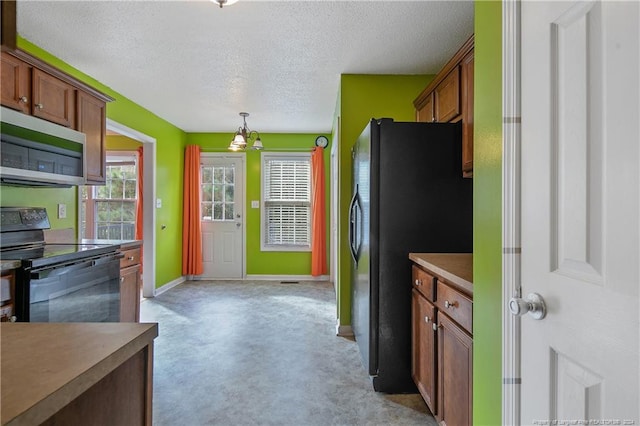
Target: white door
column 580, row 211
column 222, row 210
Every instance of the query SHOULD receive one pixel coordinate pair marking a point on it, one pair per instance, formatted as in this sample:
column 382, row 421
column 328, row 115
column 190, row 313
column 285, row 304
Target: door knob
column 238, row 224
column 533, row 305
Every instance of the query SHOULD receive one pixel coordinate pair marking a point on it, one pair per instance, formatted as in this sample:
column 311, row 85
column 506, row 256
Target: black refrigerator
column 408, row 196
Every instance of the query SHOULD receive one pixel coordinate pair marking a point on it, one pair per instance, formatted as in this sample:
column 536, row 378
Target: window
column 109, row 211
column 217, row 188
column 286, row 202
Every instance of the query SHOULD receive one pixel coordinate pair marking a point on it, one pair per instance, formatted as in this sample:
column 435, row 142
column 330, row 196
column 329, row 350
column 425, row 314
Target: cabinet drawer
column 131, row 257
column 455, row 304
column 423, row 282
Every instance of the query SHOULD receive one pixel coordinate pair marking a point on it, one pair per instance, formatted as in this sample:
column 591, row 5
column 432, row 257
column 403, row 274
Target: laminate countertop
column 456, row 268
column 44, row 366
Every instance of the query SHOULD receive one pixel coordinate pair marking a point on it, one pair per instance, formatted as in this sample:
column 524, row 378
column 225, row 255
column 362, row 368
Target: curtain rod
column 264, row 150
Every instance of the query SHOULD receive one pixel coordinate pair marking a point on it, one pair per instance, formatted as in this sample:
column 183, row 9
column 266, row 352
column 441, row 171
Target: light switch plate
column 62, row 211
column 255, row 204
column 158, row 203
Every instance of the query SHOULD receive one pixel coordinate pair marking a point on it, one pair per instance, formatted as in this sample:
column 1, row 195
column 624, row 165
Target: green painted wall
column 170, row 142
column 267, row 262
column 48, row 198
column 487, row 215
column 361, row 98
column 121, row 143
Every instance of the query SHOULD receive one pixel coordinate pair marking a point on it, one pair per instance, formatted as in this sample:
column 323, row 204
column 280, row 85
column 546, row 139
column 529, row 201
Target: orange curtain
column 191, row 229
column 139, row 211
column 318, row 219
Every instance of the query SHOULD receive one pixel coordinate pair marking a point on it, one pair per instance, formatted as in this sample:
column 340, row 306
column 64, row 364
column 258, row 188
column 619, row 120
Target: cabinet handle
column 24, row 99
column 448, row 304
column 427, row 319
column 39, row 106
column 418, row 282
column 435, row 326
column 121, row 279
column 130, row 258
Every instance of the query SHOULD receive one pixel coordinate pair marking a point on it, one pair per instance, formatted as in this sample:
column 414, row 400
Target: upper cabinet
column 449, row 99
column 34, row 87
column 16, row 83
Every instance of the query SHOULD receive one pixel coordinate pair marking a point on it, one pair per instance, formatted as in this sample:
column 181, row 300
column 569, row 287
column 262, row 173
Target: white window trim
column 264, row 156
column 90, row 225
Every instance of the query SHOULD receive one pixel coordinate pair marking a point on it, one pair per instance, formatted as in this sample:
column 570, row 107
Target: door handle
column 354, row 253
column 533, row 305
column 238, row 224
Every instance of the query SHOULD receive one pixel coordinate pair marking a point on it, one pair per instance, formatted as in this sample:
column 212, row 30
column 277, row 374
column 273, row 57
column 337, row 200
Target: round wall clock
column 322, row 141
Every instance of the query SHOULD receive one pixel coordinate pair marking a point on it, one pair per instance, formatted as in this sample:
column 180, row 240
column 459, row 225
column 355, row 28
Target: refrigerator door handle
column 352, row 225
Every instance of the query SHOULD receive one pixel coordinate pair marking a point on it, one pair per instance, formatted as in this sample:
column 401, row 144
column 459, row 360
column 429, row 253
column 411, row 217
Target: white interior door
column 580, row 211
column 222, row 198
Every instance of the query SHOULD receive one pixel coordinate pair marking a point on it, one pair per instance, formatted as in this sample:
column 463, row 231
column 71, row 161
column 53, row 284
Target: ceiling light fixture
column 245, row 135
column 224, row 2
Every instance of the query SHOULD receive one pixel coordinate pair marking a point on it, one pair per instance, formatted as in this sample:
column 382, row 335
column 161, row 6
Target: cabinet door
column 467, row 114
column 130, row 294
column 447, row 97
column 92, row 122
column 425, row 114
column 455, row 368
column 16, row 83
column 423, row 359
column 53, row 99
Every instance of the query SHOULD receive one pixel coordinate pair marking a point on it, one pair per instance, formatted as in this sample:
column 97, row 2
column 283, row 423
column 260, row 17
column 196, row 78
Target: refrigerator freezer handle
column 352, row 225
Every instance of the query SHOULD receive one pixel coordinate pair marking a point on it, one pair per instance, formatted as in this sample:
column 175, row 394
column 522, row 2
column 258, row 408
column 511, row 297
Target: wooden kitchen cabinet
column 53, row 99
column 91, row 119
column 455, row 373
column 16, row 83
column 425, row 114
column 423, row 343
column 466, row 87
column 442, row 341
column 34, row 87
column 130, row 281
column 448, row 98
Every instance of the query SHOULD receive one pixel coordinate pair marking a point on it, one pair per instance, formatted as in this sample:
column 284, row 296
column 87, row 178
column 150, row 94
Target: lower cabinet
column 442, row 346
column 423, row 365
column 455, row 373
column 130, row 282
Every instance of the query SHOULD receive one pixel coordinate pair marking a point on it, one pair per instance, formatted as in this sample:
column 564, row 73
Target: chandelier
column 224, row 2
column 244, row 135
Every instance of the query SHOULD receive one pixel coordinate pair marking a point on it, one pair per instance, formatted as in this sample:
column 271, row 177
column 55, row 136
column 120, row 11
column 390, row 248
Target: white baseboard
column 169, row 285
column 344, row 330
column 287, row 277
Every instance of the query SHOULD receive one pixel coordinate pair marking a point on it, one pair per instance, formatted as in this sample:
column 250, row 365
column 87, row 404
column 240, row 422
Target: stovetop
column 23, row 239
column 49, row 254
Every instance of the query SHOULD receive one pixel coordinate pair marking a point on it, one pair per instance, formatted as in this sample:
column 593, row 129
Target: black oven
column 86, row 290
column 60, row 282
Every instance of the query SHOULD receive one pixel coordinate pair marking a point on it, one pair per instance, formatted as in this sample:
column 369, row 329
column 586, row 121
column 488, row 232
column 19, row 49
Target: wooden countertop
column 44, row 366
column 456, row 268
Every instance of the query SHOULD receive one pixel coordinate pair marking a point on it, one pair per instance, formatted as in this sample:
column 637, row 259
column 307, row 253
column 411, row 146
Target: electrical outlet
column 62, row 211
column 255, row 204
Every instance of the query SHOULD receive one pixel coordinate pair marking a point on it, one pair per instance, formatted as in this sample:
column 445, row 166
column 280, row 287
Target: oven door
column 87, row 290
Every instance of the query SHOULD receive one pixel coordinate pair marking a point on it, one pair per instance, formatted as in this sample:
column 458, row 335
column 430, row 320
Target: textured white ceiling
column 197, row 65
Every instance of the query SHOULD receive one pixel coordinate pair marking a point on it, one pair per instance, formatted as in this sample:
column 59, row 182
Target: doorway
column 148, row 202
column 222, row 214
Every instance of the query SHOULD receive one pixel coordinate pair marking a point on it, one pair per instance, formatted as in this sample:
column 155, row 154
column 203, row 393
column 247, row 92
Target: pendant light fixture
column 224, row 2
column 244, row 135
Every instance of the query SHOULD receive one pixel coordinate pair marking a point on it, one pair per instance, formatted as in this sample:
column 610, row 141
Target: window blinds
column 287, row 197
